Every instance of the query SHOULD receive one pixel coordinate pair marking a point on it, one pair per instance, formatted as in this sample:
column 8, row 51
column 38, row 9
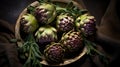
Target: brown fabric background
column 108, row 38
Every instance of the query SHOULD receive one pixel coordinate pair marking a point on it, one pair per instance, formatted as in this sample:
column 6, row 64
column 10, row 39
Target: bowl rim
column 20, row 41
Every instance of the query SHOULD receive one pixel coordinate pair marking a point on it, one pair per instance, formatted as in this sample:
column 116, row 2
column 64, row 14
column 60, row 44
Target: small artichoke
column 28, row 23
column 45, row 13
column 46, row 35
column 86, row 24
column 72, row 41
column 54, row 53
column 65, row 22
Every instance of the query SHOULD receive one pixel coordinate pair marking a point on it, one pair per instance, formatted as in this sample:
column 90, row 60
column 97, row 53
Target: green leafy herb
column 30, row 52
column 30, row 9
column 60, row 10
column 70, row 4
column 91, row 50
column 70, row 9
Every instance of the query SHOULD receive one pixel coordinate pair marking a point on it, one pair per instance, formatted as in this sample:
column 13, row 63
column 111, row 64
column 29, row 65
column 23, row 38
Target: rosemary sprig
column 71, row 9
column 91, row 51
column 30, row 9
column 30, row 52
column 70, row 4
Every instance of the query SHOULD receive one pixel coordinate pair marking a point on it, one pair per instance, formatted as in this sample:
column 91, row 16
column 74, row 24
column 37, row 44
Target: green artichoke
column 72, row 41
column 54, row 53
column 28, row 23
column 46, row 35
column 86, row 24
column 45, row 13
column 65, row 22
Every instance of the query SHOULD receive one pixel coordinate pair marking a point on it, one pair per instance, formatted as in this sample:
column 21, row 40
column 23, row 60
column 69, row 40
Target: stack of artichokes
column 61, row 30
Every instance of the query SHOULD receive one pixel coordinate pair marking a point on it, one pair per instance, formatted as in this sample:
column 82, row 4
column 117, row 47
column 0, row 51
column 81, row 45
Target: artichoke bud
column 46, row 34
column 28, row 23
column 86, row 24
column 72, row 41
column 45, row 13
column 54, row 53
column 65, row 22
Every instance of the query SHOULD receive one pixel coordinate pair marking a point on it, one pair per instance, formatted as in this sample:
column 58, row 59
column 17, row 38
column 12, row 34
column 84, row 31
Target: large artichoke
column 72, row 41
column 86, row 24
column 54, row 53
column 46, row 35
column 28, row 23
column 65, row 22
column 45, row 13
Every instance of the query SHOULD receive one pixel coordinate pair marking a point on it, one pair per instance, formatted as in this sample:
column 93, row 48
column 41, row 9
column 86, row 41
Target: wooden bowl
column 18, row 36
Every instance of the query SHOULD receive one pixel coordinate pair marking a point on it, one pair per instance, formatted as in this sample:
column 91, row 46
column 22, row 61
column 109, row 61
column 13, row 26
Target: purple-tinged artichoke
column 72, row 41
column 28, row 23
column 65, row 22
column 54, row 53
column 45, row 13
column 46, row 35
column 86, row 24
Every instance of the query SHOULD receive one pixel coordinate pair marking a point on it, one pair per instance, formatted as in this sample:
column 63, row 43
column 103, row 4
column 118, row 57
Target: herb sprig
column 30, row 53
column 91, row 51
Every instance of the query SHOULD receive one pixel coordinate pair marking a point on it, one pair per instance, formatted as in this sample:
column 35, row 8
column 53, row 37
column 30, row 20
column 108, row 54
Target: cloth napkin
column 8, row 50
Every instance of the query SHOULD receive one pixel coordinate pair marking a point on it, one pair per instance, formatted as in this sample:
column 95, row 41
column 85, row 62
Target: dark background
column 10, row 9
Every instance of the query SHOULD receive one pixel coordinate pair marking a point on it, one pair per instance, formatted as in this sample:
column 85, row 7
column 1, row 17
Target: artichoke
column 72, row 41
column 46, row 34
column 45, row 13
column 54, row 53
column 28, row 23
column 65, row 22
column 86, row 24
